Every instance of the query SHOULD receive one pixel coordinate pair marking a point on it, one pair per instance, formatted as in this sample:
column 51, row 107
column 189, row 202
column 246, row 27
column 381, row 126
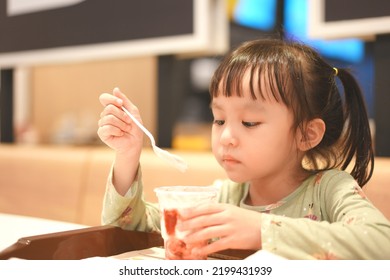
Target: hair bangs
column 265, row 80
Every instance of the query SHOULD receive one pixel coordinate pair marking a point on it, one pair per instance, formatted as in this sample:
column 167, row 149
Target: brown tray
column 99, row 241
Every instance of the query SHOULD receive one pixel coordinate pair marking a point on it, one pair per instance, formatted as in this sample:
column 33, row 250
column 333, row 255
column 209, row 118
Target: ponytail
column 357, row 143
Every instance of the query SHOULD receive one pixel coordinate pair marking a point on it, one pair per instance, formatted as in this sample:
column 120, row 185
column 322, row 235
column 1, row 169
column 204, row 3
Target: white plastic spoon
column 175, row 160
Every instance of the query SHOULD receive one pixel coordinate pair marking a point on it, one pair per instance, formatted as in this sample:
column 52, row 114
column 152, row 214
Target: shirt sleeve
column 131, row 211
column 352, row 227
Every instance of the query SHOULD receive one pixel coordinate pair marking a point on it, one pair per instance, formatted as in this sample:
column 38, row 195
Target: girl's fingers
column 106, row 132
column 206, row 233
column 204, row 219
column 215, row 246
column 117, row 99
column 127, row 103
column 112, row 110
column 107, row 98
column 111, row 120
column 118, row 93
column 203, row 209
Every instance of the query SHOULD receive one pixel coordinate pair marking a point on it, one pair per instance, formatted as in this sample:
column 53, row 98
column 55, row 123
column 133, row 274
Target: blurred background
column 57, row 58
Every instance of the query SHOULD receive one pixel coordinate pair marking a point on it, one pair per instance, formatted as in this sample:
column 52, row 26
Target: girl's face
column 252, row 139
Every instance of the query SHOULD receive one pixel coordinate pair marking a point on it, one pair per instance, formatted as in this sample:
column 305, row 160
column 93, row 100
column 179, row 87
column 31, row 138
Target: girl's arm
column 117, row 131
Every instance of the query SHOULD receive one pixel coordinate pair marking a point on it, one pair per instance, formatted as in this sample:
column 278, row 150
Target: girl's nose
column 228, row 137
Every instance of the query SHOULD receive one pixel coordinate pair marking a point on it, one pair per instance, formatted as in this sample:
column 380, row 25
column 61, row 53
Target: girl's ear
column 312, row 135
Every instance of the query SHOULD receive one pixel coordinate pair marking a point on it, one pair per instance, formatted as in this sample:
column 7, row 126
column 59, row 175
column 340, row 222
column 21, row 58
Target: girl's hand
column 116, row 129
column 235, row 228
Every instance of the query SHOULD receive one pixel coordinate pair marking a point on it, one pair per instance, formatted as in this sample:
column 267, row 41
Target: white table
column 13, row 227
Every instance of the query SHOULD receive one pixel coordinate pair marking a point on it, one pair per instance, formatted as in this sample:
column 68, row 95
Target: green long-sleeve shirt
column 327, row 217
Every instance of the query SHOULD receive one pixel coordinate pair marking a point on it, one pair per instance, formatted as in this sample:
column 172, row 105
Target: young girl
column 284, row 135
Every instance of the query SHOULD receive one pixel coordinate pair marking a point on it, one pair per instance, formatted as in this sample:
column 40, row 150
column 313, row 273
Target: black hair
column 301, row 79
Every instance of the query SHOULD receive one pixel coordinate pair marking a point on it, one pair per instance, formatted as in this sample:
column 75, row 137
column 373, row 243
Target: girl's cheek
column 214, row 147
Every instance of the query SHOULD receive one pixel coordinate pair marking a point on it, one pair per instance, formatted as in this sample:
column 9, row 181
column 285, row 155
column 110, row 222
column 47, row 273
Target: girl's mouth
column 229, row 160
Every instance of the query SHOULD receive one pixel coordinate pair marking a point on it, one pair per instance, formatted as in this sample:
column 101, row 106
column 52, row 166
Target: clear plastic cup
column 172, row 198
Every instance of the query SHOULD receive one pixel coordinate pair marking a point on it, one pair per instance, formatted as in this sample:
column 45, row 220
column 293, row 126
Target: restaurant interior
column 56, row 61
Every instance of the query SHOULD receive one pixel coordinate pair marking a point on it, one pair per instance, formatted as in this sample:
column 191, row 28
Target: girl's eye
column 250, row 124
column 219, row 122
